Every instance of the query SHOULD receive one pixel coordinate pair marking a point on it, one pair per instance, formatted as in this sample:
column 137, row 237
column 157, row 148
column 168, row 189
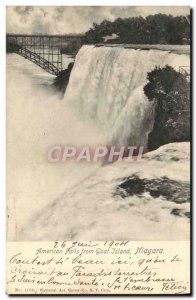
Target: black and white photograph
column 98, row 123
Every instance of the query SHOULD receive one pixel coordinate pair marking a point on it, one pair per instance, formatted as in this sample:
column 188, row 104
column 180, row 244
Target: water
column 106, row 87
column 104, row 104
column 37, row 119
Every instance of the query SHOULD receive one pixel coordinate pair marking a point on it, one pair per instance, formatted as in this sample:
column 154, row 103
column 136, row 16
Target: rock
column 171, row 190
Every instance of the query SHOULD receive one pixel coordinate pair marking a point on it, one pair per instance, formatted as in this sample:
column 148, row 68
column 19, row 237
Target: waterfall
column 78, row 201
column 106, row 89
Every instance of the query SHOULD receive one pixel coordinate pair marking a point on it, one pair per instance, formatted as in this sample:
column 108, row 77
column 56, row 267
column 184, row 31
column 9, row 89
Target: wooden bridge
column 43, row 50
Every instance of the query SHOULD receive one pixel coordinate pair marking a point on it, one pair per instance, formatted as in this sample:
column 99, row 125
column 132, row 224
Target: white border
column 99, row 3
column 3, row 5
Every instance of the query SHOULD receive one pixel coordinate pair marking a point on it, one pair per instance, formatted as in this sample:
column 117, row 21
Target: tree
column 170, row 91
column 154, row 29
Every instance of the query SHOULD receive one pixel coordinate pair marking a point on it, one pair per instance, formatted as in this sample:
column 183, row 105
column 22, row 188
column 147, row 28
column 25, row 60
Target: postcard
column 98, row 150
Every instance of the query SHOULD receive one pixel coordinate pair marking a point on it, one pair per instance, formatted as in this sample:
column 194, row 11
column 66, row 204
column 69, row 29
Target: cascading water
column 106, row 88
column 71, row 200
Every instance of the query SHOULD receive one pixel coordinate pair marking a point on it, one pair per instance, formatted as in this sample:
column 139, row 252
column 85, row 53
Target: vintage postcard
column 98, row 150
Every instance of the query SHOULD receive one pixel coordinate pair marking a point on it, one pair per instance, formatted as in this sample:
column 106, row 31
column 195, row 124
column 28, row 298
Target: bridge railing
column 46, row 47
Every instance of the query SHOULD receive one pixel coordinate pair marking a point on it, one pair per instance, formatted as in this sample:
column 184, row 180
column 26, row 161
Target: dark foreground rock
column 62, row 80
column 170, row 190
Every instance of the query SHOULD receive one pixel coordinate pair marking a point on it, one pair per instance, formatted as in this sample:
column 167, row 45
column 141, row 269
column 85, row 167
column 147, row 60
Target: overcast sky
column 69, row 19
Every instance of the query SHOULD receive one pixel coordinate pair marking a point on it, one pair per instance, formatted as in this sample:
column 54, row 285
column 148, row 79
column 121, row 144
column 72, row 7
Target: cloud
column 168, row 10
column 74, row 19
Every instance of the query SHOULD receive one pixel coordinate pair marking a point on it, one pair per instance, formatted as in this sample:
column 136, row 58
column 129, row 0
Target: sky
column 75, row 19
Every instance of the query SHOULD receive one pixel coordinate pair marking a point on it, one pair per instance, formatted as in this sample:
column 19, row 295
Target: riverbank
column 179, row 49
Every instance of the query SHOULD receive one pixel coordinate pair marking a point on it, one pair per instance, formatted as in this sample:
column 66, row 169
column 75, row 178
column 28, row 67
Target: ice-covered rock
column 141, row 200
